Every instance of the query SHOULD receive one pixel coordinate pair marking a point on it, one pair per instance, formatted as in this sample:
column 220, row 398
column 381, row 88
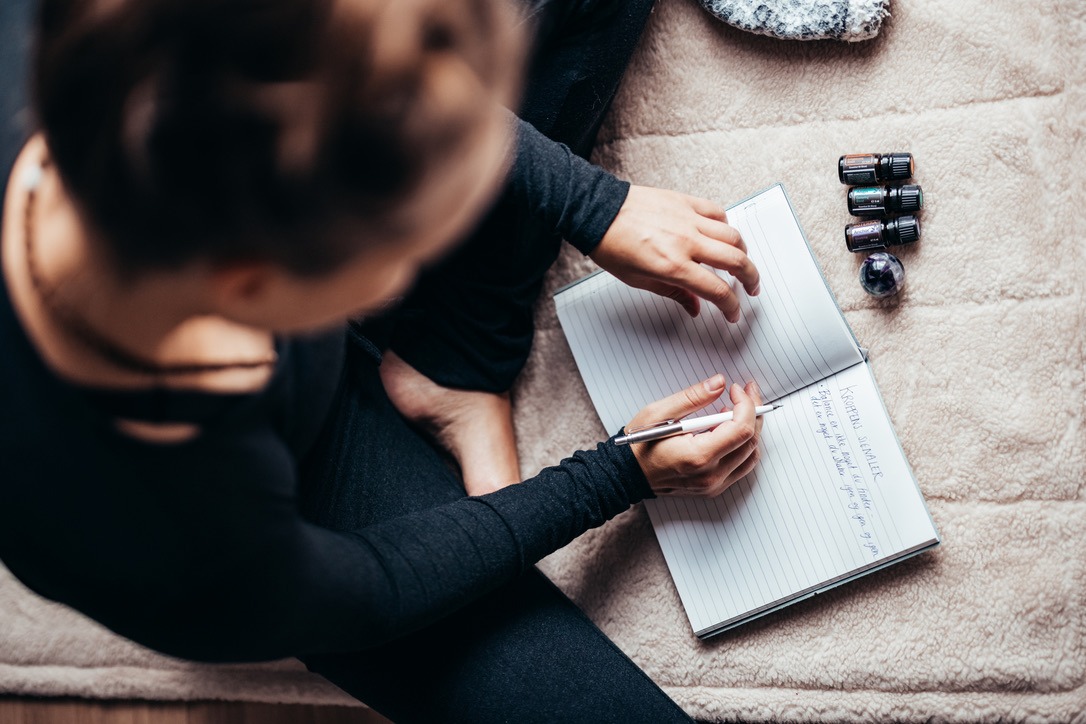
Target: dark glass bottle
column 861, row 169
column 882, row 200
column 878, row 234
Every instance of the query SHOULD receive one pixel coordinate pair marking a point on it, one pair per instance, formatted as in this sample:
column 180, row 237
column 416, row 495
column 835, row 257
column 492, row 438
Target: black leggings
column 525, row 652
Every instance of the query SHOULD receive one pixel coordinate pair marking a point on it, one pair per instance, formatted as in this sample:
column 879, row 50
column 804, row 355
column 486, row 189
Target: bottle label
column 864, row 236
column 867, row 199
column 859, row 168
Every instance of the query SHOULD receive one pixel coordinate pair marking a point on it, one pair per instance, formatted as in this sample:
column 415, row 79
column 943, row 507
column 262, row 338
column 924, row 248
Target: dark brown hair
column 240, row 129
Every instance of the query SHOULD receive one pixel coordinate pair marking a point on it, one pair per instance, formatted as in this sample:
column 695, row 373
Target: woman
column 200, row 453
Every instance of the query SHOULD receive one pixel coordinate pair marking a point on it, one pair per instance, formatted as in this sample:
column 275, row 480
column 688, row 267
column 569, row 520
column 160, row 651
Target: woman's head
column 292, row 132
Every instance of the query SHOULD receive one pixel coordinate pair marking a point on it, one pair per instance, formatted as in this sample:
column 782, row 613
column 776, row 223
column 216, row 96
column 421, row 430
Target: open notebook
column 833, row 497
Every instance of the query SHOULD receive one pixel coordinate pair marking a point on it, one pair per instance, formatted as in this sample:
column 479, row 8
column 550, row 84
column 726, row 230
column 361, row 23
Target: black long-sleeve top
column 199, row 550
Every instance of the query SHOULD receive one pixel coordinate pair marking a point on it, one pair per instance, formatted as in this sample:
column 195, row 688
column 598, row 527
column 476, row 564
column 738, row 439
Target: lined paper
column 832, row 497
column 790, row 335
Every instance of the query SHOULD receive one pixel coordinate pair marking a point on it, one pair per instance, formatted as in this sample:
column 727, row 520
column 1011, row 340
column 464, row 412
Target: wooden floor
column 22, row 710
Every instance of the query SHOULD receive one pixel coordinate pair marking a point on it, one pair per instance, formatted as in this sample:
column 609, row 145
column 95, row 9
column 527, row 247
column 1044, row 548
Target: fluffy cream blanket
column 981, row 362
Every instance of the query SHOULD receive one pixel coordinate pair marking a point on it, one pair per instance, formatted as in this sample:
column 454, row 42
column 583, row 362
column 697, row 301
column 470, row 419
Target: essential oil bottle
column 878, row 234
column 862, row 169
column 871, row 201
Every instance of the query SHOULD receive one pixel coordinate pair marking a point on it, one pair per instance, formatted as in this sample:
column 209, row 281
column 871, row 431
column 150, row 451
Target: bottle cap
column 908, row 229
column 911, row 197
column 901, row 166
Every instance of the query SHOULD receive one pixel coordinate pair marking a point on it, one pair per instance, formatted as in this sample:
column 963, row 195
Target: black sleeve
column 305, row 589
column 571, row 197
column 468, row 322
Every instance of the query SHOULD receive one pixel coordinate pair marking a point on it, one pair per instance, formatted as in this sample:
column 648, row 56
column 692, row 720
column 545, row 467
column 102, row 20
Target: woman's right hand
column 707, row 463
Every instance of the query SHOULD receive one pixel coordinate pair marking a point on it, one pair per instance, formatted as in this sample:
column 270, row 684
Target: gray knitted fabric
column 848, row 20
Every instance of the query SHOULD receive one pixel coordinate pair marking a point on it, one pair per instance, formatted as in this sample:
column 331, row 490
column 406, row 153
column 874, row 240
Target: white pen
column 667, row 428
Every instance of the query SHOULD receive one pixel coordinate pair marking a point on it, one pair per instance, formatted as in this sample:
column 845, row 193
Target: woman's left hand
column 659, row 241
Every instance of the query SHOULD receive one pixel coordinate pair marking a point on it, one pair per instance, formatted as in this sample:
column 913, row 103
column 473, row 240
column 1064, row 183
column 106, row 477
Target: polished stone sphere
column 882, row 275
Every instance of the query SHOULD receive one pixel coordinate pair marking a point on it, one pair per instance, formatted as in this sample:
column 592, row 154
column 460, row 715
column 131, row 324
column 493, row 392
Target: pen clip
column 665, row 423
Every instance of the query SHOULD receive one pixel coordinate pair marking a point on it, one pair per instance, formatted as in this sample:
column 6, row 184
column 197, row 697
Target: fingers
column 740, row 462
column 731, row 436
column 755, row 393
column 732, row 260
column 664, row 238
column 689, row 301
column 739, row 465
column 708, row 209
column 720, row 231
column 707, row 285
column 714, row 225
column 682, row 403
column 705, row 464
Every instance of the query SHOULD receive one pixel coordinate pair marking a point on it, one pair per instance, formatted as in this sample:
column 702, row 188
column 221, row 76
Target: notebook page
column 832, row 497
column 633, row 346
